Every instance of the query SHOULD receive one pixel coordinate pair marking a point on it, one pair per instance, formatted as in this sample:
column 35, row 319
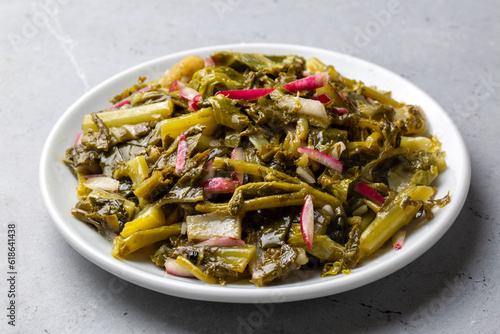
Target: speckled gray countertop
column 52, row 52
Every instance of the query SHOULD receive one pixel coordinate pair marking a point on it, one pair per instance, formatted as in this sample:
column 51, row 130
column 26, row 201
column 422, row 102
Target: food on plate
column 250, row 166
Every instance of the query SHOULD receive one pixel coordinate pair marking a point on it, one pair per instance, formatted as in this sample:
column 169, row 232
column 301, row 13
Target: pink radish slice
column 192, row 106
column 78, row 139
column 323, row 98
column 307, row 222
column 219, row 185
column 221, row 242
column 322, row 158
column 176, row 85
column 173, row 268
column 238, row 154
column 209, row 62
column 190, row 94
column 89, row 176
column 181, row 155
column 246, row 94
column 309, row 83
column 143, row 90
column 210, row 169
column 398, row 239
column 342, row 110
column 119, row 104
column 365, row 190
column 127, row 100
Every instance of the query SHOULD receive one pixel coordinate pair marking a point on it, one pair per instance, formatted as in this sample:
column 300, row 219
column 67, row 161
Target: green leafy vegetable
column 272, row 151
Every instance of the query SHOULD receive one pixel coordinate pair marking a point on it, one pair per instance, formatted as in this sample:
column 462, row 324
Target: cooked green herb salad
column 251, row 166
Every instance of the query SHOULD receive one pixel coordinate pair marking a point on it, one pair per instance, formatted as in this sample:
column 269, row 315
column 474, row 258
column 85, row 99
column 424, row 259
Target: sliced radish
column 209, row 62
column 219, row 185
column 342, row 110
column 119, row 104
column 181, row 154
column 176, row 85
column 190, row 94
column 221, row 242
column 192, row 106
column 342, row 95
column 173, row 268
column 127, row 100
column 323, row 98
column 398, row 239
column 144, row 90
column 210, row 169
column 238, row 154
column 246, row 94
column 89, row 176
column 78, row 139
column 322, row 158
column 309, row 83
column 307, row 222
column 365, row 190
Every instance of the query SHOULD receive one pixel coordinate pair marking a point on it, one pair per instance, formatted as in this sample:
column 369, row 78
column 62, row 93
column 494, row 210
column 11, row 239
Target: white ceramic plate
column 58, row 187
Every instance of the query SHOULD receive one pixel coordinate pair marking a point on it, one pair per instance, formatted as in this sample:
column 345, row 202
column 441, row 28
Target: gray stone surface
column 49, row 58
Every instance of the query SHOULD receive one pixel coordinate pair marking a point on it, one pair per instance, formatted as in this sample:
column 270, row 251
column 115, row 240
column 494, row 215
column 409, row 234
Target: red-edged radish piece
column 221, row 242
column 342, row 110
column 366, row 191
column 238, row 154
column 307, row 222
column 78, row 139
column 181, row 155
column 173, row 268
column 176, row 85
column 210, row 169
column 127, row 100
column 89, row 176
column 219, row 185
column 323, row 98
column 143, row 90
column 246, row 94
column 209, row 62
column 322, row 158
column 119, row 104
column 342, row 95
column 192, row 106
column 398, row 239
column 308, row 83
column 190, row 94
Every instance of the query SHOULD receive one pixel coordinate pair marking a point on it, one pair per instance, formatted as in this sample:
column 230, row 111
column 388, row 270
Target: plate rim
column 277, row 293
